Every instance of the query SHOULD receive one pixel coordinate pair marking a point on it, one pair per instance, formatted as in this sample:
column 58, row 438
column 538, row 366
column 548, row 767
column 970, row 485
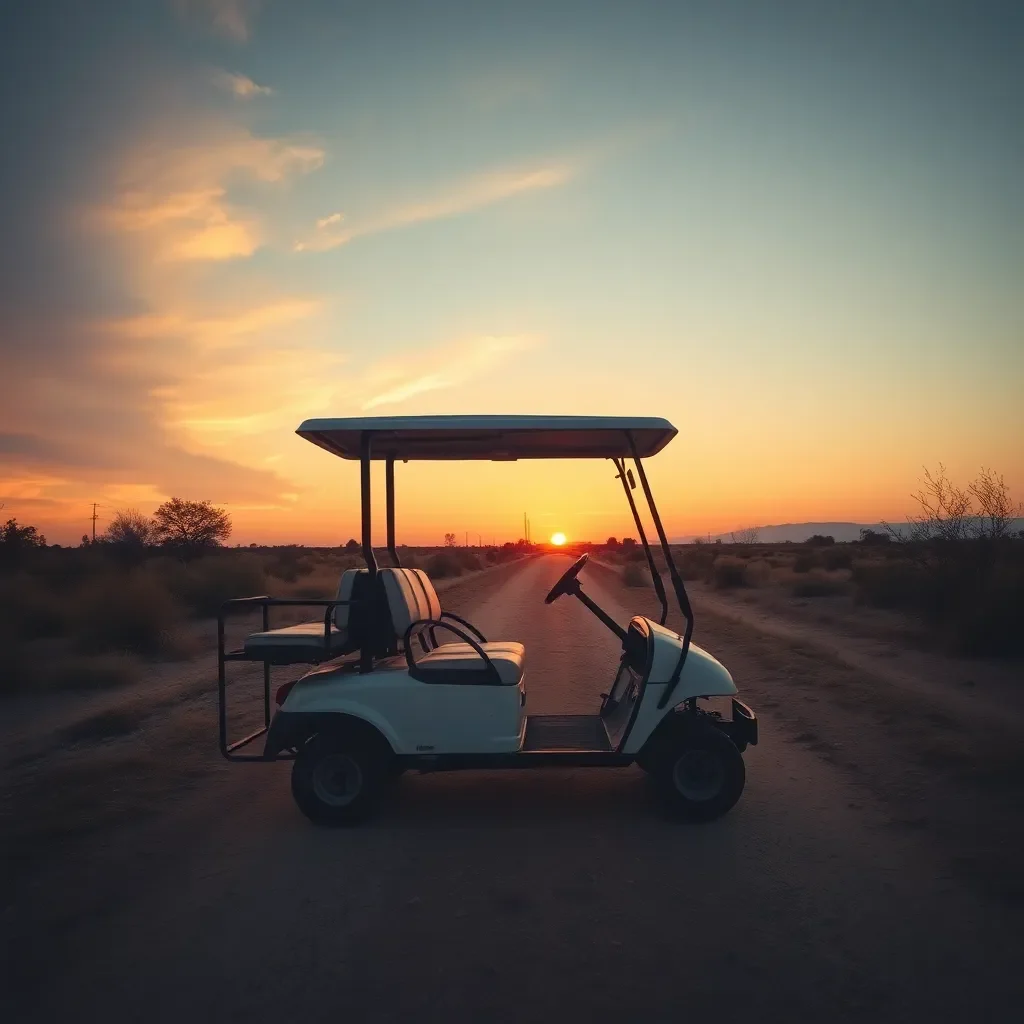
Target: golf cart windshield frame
column 628, row 484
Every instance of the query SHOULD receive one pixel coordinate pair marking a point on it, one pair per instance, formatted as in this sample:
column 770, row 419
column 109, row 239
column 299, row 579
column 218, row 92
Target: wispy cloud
column 176, row 194
column 470, row 194
column 240, row 86
column 229, row 19
column 397, row 381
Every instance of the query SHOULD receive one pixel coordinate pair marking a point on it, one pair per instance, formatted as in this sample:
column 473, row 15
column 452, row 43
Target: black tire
column 336, row 780
column 700, row 775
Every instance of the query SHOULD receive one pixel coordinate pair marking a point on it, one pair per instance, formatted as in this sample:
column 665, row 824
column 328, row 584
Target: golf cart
column 386, row 693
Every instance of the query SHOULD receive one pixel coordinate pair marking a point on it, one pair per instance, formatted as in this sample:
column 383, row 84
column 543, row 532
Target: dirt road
column 517, row 896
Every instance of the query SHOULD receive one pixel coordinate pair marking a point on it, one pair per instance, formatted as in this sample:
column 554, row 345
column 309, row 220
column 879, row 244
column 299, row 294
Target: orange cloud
column 175, row 195
column 470, row 194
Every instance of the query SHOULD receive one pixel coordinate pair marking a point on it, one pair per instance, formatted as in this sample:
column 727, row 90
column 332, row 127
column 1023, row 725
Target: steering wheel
column 567, row 579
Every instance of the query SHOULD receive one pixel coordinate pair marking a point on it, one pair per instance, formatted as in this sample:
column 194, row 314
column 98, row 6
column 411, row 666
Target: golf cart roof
column 497, row 438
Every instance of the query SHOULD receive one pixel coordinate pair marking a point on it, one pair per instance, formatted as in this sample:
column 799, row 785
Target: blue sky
column 796, row 230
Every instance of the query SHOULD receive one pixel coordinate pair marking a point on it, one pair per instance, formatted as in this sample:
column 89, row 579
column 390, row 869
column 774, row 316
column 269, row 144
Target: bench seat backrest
column 411, row 597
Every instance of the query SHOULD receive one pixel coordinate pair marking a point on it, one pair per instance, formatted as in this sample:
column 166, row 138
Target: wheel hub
column 337, row 780
column 698, row 774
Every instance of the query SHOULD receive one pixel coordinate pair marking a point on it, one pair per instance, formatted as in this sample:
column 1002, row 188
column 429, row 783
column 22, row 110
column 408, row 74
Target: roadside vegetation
column 956, row 568
column 91, row 616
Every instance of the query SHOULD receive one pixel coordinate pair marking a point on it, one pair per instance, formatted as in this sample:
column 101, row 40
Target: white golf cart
column 387, row 695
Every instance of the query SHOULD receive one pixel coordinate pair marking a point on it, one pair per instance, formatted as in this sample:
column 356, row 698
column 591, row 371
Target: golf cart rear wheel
column 336, row 780
column 701, row 776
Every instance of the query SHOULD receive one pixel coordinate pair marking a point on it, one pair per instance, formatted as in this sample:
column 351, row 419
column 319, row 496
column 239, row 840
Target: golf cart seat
column 304, row 643
column 461, row 663
column 417, row 617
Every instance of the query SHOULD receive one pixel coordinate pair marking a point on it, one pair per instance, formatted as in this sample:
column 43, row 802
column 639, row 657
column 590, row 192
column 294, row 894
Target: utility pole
column 94, row 522
column 526, row 530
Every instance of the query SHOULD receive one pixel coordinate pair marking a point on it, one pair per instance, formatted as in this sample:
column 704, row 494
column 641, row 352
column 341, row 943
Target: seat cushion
column 508, row 657
column 304, row 639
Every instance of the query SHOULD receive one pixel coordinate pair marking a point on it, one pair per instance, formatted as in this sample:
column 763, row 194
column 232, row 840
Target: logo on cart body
column 424, row 746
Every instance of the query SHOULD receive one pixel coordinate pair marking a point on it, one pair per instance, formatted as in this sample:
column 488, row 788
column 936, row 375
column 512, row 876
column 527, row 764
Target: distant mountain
column 797, row 533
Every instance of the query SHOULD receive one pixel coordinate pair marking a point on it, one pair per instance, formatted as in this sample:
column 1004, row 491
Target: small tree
column 750, row 535
column 820, row 540
column 191, row 526
column 352, row 546
column 612, row 542
column 130, row 529
column 16, row 541
column 449, row 540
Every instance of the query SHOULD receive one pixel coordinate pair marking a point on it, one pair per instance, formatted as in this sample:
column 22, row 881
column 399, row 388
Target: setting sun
column 558, row 539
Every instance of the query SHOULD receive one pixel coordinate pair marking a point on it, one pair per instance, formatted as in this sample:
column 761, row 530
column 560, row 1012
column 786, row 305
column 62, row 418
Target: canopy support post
column 389, row 488
column 364, row 480
column 659, row 587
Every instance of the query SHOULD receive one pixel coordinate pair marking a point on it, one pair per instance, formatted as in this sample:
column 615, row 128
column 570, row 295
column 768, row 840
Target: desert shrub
column 31, row 609
column 804, row 563
column 469, row 560
column 728, row 571
column 818, row 585
column 819, row 540
column 443, row 564
column 695, row 563
column 634, row 575
column 888, row 584
column 126, row 612
column 837, row 558
column 205, row 584
column 991, row 622
column 758, row 573
column 288, row 564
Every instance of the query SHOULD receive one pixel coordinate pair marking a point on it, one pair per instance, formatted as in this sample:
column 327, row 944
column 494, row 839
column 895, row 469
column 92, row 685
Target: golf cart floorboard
column 565, row 732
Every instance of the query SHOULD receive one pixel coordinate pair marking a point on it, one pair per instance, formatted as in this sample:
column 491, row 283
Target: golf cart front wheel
column 336, row 782
column 702, row 776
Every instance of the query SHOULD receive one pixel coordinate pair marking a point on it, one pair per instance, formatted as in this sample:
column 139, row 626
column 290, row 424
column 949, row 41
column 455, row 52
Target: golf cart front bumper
column 742, row 730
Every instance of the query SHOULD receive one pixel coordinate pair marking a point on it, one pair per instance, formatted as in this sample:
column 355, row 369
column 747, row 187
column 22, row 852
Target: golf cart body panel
column 413, row 716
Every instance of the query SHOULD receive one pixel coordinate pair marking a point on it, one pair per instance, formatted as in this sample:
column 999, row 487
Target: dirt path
column 523, row 895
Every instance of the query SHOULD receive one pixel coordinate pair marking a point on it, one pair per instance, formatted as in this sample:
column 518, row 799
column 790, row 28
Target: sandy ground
column 868, row 873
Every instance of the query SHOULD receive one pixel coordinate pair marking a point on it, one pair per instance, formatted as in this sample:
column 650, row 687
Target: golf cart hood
column 702, row 675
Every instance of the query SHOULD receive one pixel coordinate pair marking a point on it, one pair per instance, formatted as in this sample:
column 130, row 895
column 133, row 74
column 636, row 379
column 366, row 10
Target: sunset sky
column 796, row 230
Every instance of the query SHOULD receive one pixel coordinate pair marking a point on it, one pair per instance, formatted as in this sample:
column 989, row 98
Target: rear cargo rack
column 230, row 749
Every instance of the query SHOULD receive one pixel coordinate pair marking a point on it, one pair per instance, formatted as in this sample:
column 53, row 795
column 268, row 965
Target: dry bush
column 469, row 560
column 805, row 562
column 205, row 584
column 288, row 564
column 131, row 612
column 817, row 584
column 635, row 575
column 758, row 573
column 728, row 572
column 888, row 584
column 837, row 558
column 695, row 563
column 443, row 564
column 30, row 609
